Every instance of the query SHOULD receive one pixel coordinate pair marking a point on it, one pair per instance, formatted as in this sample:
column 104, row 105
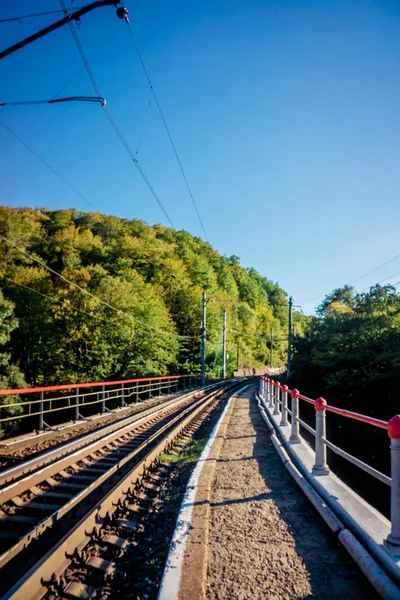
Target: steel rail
column 29, row 466
column 75, row 500
column 31, row 586
column 106, row 437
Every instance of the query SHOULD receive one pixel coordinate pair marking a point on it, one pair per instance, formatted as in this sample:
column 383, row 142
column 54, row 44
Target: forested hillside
column 350, row 352
column 154, row 277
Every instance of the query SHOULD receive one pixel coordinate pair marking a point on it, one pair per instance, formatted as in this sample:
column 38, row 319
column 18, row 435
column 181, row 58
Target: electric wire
column 46, row 164
column 376, row 269
column 382, row 281
column 362, row 277
column 23, row 285
column 111, row 119
column 166, row 127
column 92, row 56
column 41, row 14
column 84, row 291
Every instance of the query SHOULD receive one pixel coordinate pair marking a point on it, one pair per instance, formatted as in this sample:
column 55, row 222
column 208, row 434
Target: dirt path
column 266, row 540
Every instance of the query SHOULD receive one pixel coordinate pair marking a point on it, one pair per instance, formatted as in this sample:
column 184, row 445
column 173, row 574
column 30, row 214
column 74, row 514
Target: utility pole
column 270, row 350
column 224, row 346
column 289, row 349
column 203, row 339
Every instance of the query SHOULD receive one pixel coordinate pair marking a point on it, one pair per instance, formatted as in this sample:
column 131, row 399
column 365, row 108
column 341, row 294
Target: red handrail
column 73, row 386
column 358, row 417
column 346, row 413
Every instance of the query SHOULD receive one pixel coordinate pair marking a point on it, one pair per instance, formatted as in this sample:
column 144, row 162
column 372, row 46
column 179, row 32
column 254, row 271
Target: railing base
column 320, row 470
column 392, row 547
column 294, row 439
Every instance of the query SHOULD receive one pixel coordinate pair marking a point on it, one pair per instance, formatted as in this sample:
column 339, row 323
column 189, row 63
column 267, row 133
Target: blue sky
column 285, row 115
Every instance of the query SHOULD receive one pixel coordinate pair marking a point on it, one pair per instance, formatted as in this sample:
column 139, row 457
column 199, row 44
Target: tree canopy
column 137, row 310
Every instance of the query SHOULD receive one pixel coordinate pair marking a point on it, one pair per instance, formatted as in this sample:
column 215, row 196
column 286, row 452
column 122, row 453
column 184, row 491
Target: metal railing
column 276, row 396
column 82, row 400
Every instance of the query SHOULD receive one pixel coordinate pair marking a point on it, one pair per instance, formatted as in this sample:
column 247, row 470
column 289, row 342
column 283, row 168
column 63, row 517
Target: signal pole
column 224, row 346
column 270, row 351
column 203, row 339
column 289, row 350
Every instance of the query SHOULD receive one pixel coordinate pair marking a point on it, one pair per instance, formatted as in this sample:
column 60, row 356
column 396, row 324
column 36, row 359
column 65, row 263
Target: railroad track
column 49, row 504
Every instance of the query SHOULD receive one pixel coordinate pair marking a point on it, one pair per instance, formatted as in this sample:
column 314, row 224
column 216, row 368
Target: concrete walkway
column 264, row 538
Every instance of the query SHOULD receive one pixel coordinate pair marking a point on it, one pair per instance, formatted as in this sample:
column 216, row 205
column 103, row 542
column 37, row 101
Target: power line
column 46, row 164
column 383, row 280
column 362, row 277
column 112, row 121
column 376, row 269
column 41, row 14
column 166, row 126
column 103, row 302
column 44, row 295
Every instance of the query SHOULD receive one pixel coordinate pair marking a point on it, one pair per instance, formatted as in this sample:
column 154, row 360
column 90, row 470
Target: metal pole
column 41, row 412
column 270, row 350
column 203, row 339
column 393, row 539
column 122, row 395
column 320, row 465
column 224, row 346
column 77, row 404
column 289, row 349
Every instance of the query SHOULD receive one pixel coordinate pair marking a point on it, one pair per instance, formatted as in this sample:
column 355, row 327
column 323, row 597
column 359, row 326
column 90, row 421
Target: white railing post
column 294, row 435
column 320, row 465
column 262, row 386
column 103, row 401
column 284, row 390
column 272, row 394
column 277, row 390
column 393, row 540
column 41, row 423
column 122, row 395
column 77, row 404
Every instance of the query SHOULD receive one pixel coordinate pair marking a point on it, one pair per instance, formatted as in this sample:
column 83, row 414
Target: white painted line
column 171, row 579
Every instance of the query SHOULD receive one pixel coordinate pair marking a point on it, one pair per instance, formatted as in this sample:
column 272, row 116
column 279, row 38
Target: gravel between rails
column 266, row 540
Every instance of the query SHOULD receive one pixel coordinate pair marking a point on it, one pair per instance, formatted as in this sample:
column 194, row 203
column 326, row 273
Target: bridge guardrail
column 36, row 402
column 277, row 397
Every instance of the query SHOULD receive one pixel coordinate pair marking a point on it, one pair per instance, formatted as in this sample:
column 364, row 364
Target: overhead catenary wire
column 46, row 164
column 23, row 285
column 362, row 277
column 112, row 121
column 146, row 72
column 84, row 291
column 383, row 280
column 41, row 14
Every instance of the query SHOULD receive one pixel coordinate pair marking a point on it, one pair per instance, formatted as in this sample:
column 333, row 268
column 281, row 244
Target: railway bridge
column 164, row 488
